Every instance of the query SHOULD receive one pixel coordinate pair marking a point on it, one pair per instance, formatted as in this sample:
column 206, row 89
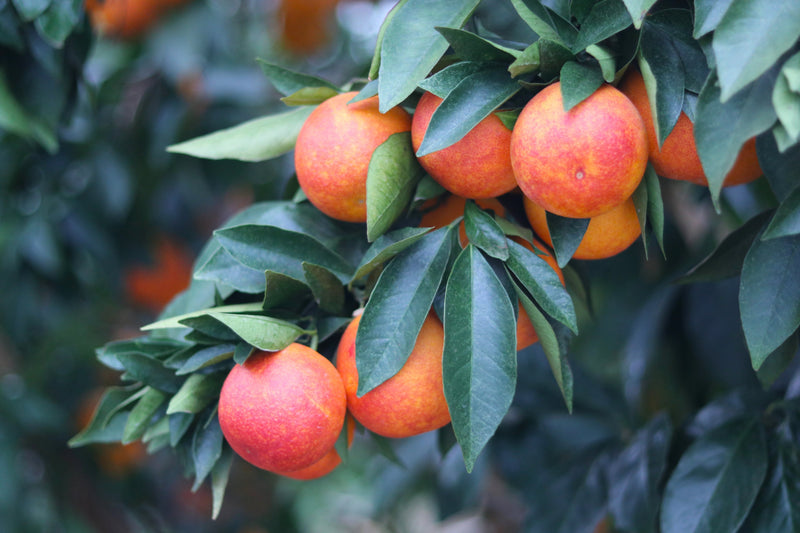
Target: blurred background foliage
column 99, row 226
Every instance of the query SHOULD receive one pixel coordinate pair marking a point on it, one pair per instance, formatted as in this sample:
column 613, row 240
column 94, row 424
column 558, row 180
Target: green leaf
column 178, row 320
column 225, row 271
column 769, row 295
column 663, row 73
column 445, row 80
column 206, row 449
column 780, row 169
column 59, row 20
column 141, row 414
column 675, row 26
column 150, row 371
column 471, row 47
column 776, row 509
column 309, row 96
column 30, row 9
column 288, row 82
column 405, row 61
column 786, row 221
column 479, row 362
column 655, row 206
column 206, row 357
column 15, row 119
column 272, row 248
column 255, row 140
column 326, row 287
column 716, row 480
column 472, row 100
column 242, row 352
column 528, row 61
column 196, row 393
column 708, row 14
column 552, row 56
column 553, row 342
column 607, row 61
column 179, row 424
column 606, row 18
column 578, row 82
column 567, row 234
column 636, row 477
column 391, row 180
column 263, row 332
column 387, row 246
column 721, row 129
column 399, row 304
column 542, row 282
column 751, row 36
column 638, row 10
column 107, row 423
column 280, row 289
column 787, row 100
column 778, row 361
column 545, row 23
column 375, row 64
column 367, row 91
column 727, row 258
column 219, row 480
column 484, row 232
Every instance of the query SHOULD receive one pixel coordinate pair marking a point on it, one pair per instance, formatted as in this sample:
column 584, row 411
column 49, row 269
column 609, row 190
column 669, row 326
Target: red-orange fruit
column 677, row 158
column 327, row 464
column 478, row 165
column 409, row 403
column 607, row 235
column 582, row 162
column 283, row 411
column 333, row 152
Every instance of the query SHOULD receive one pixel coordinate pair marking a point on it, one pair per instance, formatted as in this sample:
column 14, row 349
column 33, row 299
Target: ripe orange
column 409, row 403
column 334, row 148
column 305, row 26
column 477, row 166
column 677, row 158
column 153, row 287
column 125, row 19
column 607, row 234
column 327, row 464
column 283, row 411
column 583, row 162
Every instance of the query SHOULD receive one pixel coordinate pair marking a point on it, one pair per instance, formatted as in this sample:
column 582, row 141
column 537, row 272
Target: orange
column 677, row 159
column 327, row 464
column 607, row 234
column 305, row 26
column 583, row 162
column 283, row 411
column 478, row 165
column 409, row 403
column 125, row 19
column 438, row 212
column 152, row 287
column 334, row 148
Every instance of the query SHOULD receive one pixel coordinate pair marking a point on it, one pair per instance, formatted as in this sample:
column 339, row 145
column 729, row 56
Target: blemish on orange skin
column 582, row 162
column 333, row 152
column 478, row 165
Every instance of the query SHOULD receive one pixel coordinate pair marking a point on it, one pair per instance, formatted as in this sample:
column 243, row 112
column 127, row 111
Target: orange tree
column 646, row 420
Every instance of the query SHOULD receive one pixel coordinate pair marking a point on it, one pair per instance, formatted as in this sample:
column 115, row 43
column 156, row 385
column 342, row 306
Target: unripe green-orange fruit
column 477, row 166
column 582, row 162
column 409, row 403
column 334, row 148
column 283, row 411
column 677, row 159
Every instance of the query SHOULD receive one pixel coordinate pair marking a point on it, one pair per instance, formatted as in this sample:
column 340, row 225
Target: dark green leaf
column 206, row 357
column 209, row 326
column 309, row 96
column 708, row 14
column 399, row 304
column 716, row 480
column 30, row 9
column 528, row 61
column 472, row 100
column 141, row 414
column 242, row 352
column 404, row 61
column 479, row 362
column 471, row 47
column 219, row 480
column 150, row 371
column 15, row 119
column 541, row 281
column 263, row 332
column 326, row 287
column 636, row 476
column 552, row 56
column 778, row 361
column 255, row 140
column 776, row 509
column 367, row 91
column 751, row 36
column 206, row 449
column 786, row 220
column 391, row 180
column 281, row 289
column 567, row 234
column 272, row 248
column 554, row 344
column 59, row 20
column 158, row 348
column 288, row 82
column 387, row 246
column 727, row 258
column 655, row 206
column 444, row 81
column 484, row 232
column 607, row 18
column 179, row 424
column 578, row 82
column 606, row 60
column 638, row 9
column 769, row 295
column 544, row 22
column 179, row 321
column 722, row 128
column 780, row 169
column 663, row 73
column 675, row 25
column 108, row 422
column 196, row 393
column 786, row 99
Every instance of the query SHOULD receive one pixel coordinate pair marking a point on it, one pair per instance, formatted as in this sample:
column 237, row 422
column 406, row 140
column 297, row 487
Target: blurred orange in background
column 153, row 287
